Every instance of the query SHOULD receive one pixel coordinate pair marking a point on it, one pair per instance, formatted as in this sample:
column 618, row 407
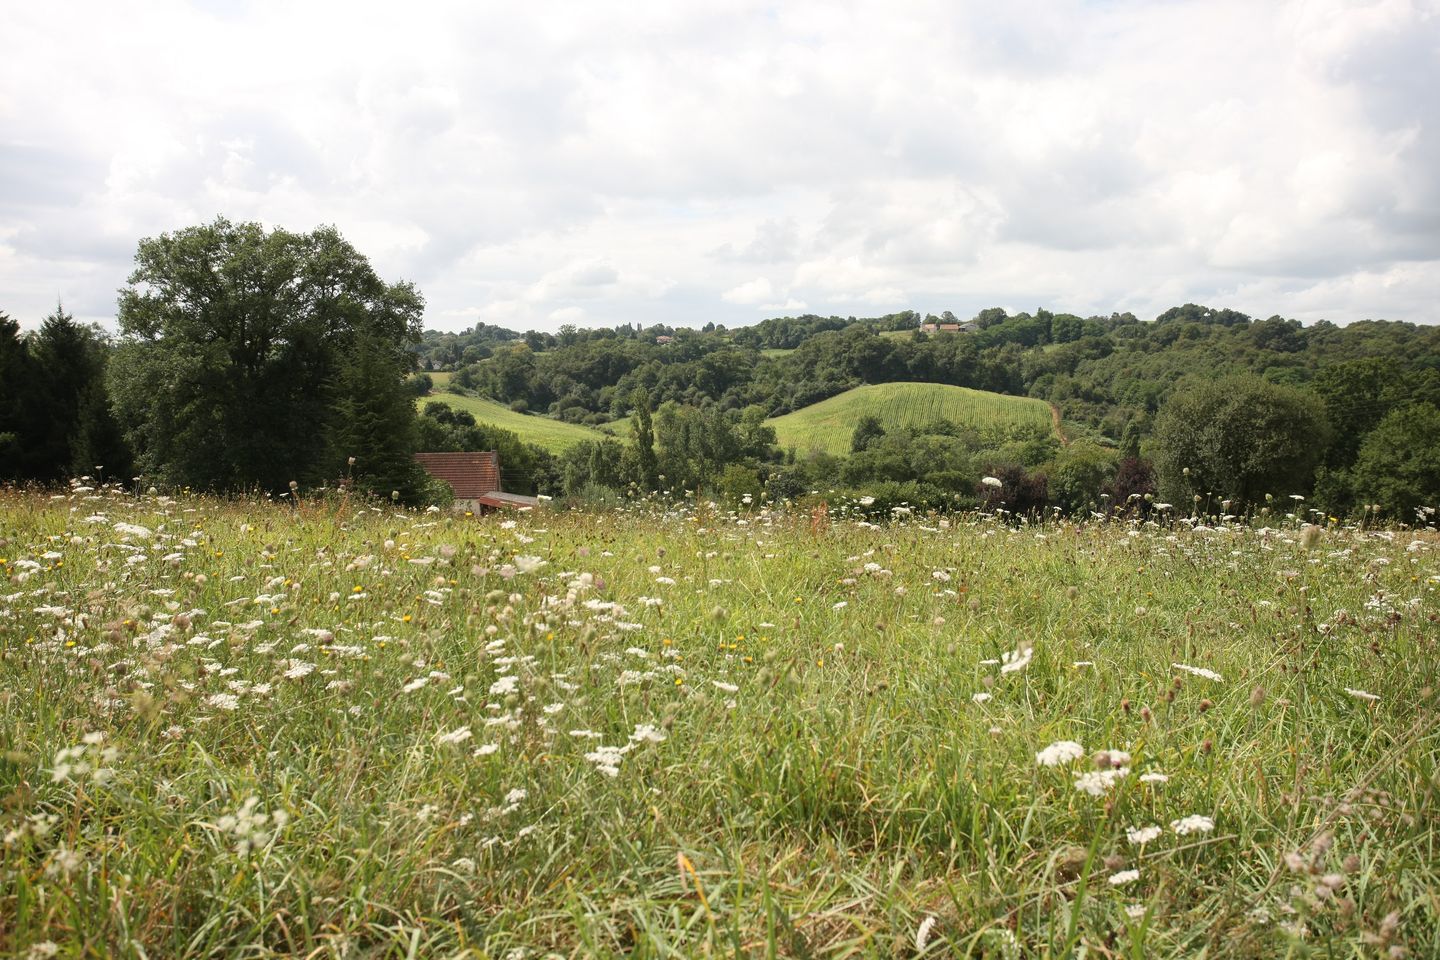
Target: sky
column 596, row 163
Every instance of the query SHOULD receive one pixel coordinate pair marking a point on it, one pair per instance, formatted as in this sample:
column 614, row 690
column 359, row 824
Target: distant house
column 970, row 326
column 475, row 478
column 663, row 339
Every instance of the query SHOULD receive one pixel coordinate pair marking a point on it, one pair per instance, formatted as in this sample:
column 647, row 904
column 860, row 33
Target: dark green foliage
column 55, row 420
column 647, row 467
column 21, row 406
column 867, row 431
column 1398, row 467
column 1237, row 438
column 373, row 422
column 1079, row 473
column 244, row 352
column 1021, row 492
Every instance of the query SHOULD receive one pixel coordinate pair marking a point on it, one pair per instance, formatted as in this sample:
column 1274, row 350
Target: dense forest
column 1321, row 391
column 287, row 364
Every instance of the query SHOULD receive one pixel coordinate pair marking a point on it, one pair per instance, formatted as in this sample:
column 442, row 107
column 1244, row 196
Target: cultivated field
column 829, row 424
column 332, row 730
column 553, row 435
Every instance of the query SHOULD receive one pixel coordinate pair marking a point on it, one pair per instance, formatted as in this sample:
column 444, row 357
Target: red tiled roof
column 472, row 475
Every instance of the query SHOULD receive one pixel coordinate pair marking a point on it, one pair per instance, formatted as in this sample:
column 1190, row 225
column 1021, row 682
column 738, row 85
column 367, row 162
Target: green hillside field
column 829, row 424
column 553, row 435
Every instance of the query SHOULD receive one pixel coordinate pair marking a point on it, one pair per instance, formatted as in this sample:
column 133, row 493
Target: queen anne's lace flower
column 1061, row 751
column 1195, row 823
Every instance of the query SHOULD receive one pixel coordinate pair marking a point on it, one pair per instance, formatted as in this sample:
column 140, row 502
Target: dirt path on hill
column 1055, row 420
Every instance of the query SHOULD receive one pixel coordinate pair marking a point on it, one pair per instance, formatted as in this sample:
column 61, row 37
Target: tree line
column 251, row 359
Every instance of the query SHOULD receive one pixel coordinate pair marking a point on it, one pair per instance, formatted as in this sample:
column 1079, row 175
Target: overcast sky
column 533, row 164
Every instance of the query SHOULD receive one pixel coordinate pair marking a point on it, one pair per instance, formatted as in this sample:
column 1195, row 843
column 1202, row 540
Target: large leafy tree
column 1399, row 464
column 245, row 353
column 1238, row 438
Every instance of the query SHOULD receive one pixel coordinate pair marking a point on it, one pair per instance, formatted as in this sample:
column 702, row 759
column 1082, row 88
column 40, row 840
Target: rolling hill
column 828, row 425
column 553, row 435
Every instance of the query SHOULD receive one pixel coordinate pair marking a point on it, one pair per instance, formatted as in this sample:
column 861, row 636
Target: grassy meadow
column 553, row 435
column 830, row 424
column 334, row 730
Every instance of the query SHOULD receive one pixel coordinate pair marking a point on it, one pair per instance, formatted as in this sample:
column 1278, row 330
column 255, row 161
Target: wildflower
column 1142, row 835
column 922, row 935
column 223, row 701
column 1124, row 877
column 607, row 759
column 727, row 687
column 1111, row 758
column 647, row 733
column 458, row 735
column 1195, row 823
column 1361, row 694
column 1061, row 751
column 1016, row 660
column 982, row 698
column 1198, row 671
column 1154, row 778
column 992, row 481
column 298, row 669
column 507, row 684
column 1099, row 782
column 250, row 828
column 415, row 684
column 1135, row 911
column 485, row 749
column 90, row 758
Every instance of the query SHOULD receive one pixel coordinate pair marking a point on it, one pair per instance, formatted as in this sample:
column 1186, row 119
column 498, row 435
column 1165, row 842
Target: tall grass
column 804, row 766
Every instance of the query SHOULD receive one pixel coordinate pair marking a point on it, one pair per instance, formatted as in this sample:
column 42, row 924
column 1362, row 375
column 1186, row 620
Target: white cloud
column 753, row 292
column 640, row 163
column 790, row 307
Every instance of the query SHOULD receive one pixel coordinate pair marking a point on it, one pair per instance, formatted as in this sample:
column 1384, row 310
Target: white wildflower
column 298, row 669
column 1099, row 782
column 528, row 564
column 1361, row 694
column 1123, row 877
column 647, row 733
column 1195, row 823
column 922, row 935
column 1198, row 671
column 1016, row 660
column 458, row 735
column 1142, row 835
column 250, row 828
column 1061, row 751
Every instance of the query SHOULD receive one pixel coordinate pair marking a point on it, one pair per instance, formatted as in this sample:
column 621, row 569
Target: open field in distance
column 829, row 424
